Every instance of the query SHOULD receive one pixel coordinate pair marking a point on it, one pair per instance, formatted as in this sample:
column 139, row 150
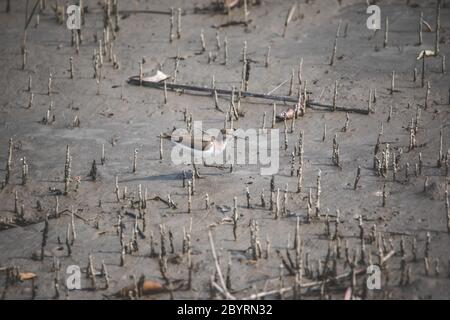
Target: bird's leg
column 196, row 172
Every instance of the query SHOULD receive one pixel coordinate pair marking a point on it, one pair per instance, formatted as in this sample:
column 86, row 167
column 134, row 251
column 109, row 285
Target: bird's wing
column 192, row 143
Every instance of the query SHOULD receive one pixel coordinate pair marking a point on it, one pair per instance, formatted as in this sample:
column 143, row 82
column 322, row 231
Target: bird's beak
column 237, row 136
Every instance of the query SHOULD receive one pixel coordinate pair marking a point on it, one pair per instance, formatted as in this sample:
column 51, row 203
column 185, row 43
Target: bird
column 286, row 115
column 202, row 146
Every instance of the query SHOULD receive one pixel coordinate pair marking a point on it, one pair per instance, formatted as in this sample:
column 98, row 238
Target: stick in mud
column 412, row 138
column 277, row 204
column 333, row 54
column 67, row 171
column 57, row 213
column 267, row 63
column 263, row 200
column 122, row 256
column 217, row 40
column 300, row 71
column 193, row 183
column 443, row 65
column 98, row 86
column 369, row 103
column 246, row 13
column 77, row 43
column 300, row 178
column 423, row 70
column 427, row 94
column 225, row 50
column 292, row 163
column 216, row 101
column 135, row 153
column 68, row 246
column 91, row 272
column 104, row 273
column 141, row 73
column 285, row 196
column 72, row 226
column 447, row 212
column 24, row 57
column 189, row 196
column 161, row 151
column 16, row 202
column 207, row 202
column 274, row 115
column 71, row 68
column 179, row 23
column 324, row 135
column 286, row 144
column 440, row 156
column 44, row 237
column 117, row 190
column 24, row 171
column 357, row 178
column 248, row 197
column 335, row 95
column 49, row 85
column 29, row 83
column 263, row 126
column 386, row 32
column 30, row 101
column 291, row 85
column 318, row 192
column 235, row 218
column 392, row 82
column 202, row 39
column 384, row 195
column 347, row 122
column 103, row 158
column 421, row 29
column 171, row 21
column 438, row 28
column 210, row 57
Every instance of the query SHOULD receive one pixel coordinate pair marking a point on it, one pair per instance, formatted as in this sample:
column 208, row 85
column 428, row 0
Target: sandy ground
column 136, row 120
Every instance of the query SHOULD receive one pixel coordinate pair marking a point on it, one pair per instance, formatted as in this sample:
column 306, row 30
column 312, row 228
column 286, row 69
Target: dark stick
column 28, row 19
column 172, row 86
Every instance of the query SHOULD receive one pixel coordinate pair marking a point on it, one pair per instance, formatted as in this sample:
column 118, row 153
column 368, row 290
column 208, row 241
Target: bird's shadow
column 160, row 177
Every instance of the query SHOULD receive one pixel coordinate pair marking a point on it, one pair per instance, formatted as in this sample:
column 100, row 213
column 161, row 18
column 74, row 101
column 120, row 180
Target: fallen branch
column 219, row 272
column 144, row 11
column 170, row 205
column 315, row 283
column 232, row 23
column 173, row 86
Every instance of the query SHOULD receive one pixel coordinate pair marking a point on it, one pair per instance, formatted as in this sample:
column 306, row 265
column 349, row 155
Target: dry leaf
column 428, row 53
column 148, row 287
column 348, row 294
column 429, row 29
column 152, row 287
column 290, row 14
column 231, row 3
column 289, row 18
column 23, row 276
column 158, row 77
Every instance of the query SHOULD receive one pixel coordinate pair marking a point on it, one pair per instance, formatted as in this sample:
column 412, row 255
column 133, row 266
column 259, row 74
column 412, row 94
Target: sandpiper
column 202, row 145
column 286, row 115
